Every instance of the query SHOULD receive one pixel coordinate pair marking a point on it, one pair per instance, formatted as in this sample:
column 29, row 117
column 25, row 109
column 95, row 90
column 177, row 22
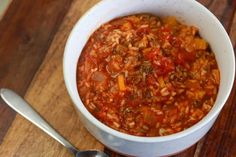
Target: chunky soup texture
column 147, row 76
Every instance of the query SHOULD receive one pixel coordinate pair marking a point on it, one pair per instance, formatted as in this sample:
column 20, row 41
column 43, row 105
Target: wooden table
column 32, row 39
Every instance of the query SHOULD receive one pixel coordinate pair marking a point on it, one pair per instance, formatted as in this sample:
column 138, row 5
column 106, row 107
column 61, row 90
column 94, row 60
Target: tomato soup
column 147, row 76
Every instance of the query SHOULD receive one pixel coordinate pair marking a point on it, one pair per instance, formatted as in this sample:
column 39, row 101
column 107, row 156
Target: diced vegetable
column 126, row 26
column 200, row 44
column 161, row 82
column 121, row 82
column 98, row 76
column 171, row 21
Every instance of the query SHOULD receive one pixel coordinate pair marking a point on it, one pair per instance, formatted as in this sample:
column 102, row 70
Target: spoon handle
column 22, row 107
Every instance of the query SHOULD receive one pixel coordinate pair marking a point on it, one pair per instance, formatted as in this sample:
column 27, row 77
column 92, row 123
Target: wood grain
column 4, row 4
column 47, row 92
column 48, row 95
column 26, row 32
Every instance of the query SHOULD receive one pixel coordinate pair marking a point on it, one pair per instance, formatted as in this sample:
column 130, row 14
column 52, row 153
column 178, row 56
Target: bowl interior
column 189, row 12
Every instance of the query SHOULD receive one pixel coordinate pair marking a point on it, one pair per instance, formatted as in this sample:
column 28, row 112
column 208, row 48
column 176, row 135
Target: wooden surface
column 3, row 7
column 32, row 40
column 25, row 36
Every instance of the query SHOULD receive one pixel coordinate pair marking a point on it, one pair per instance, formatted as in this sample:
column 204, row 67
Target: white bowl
column 187, row 11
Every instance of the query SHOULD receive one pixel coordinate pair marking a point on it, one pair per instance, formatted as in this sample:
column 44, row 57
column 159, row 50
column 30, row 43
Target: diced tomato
column 180, row 58
column 153, row 54
column 184, row 56
column 190, row 56
column 163, row 65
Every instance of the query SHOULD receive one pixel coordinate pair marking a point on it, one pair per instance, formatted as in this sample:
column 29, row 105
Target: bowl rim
column 206, row 119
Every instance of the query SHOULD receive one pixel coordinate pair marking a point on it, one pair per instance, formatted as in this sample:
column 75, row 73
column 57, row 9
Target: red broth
column 147, row 76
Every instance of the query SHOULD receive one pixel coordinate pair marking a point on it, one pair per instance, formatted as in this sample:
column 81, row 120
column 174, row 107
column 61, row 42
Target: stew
column 147, row 76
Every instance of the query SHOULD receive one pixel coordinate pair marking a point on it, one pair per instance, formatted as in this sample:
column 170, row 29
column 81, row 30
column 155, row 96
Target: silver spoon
column 22, row 107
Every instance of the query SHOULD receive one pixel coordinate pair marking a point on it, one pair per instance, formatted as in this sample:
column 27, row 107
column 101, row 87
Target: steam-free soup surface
column 147, row 76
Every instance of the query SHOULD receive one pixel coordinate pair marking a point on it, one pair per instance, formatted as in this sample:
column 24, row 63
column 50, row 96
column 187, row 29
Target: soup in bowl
column 148, row 78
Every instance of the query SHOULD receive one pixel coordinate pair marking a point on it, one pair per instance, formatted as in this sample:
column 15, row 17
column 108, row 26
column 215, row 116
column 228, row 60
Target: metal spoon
column 22, row 107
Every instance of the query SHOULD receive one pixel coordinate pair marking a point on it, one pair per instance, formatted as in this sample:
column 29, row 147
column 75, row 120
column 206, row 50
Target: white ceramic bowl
column 187, row 11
